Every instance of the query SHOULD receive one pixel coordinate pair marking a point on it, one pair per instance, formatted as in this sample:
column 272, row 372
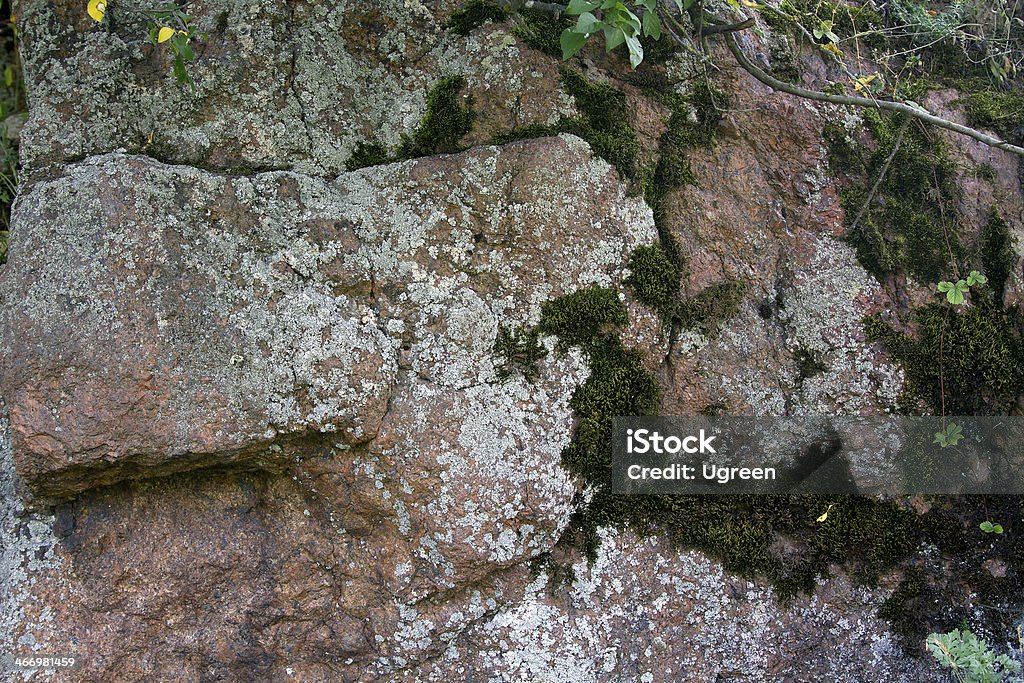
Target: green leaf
column 987, row 527
column 9, row 75
column 180, row 72
column 587, row 24
column 950, row 436
column 636, row 51
column 649, row 5
column 613, row 37
column 945, row 286
column 976, row 278
column 581, row 6
column 652, row 25
column 571, row 42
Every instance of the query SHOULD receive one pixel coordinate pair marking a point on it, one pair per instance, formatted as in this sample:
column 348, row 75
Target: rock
column 187, row 319
column 337, row 335
column 251, row 426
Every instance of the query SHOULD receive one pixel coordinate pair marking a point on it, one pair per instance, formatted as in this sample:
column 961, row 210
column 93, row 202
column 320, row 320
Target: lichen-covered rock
column 283, row 84
column 338, row 335
column 187, row 319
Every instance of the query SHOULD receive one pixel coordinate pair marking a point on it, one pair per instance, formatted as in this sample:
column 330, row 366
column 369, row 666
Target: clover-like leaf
column 976, row 278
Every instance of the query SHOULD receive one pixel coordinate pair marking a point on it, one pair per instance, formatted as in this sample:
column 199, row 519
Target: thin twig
column 881, row 175
column 850, row 100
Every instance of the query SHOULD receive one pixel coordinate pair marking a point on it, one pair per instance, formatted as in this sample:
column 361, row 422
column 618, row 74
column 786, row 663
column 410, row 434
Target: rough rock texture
column 190, row 319
column 251, row 426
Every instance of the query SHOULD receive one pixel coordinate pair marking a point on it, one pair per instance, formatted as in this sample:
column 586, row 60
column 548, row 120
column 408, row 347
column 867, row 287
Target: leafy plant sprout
column 167, row 25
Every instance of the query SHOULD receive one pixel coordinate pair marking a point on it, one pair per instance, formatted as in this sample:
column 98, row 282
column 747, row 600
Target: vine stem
column 865, row 102
column 881, row 174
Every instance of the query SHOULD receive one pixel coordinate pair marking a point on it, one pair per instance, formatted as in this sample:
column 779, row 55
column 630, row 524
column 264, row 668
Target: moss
column 367, row 153
column 519, row 351
column 712, row 306
column 912, row 223
column 998, row 111
column 528, row 132
column 996, row 253
column 474, row 14
column 445, row 122
column 654, row 279
column 580, row 318
column 604, row 122
column 979, row 351
column 541, row 31
column 808, row 363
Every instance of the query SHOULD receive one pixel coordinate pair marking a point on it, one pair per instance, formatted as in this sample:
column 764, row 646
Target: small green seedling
column 971, row 658
column 990, row 528
column 950, row 436
column 956, row 291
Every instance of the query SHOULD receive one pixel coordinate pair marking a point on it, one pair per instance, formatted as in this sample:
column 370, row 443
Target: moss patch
column 445, row 122
column 979, row 350
column 911, row 224
column 654, row 279
column 998, row 111
column 474, row 14
column 542, row 31
column 367, row 153
column 712, row 306
column 519, row 350
column 997, row 253
column 604, row 121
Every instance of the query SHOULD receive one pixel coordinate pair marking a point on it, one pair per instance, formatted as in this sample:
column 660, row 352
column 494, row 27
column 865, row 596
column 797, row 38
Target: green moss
column 542, row 31
column 604, row 121
column 912, row 222
column 474, row 14
column 808, row 363
column 997, row 254
column 580, row 318
column 712, row 306
column 446, row 121
column 367, row 153
column 654, row 279
column 998, row 111
column 978, row 350
column 519, row 351
column 528, row 132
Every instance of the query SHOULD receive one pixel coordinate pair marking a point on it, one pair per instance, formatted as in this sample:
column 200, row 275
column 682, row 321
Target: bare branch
column 865, row 102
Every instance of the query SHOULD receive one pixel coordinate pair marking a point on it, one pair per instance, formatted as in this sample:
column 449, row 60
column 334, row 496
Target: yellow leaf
column 97, row 9
column 164, row 35
column 825, row 516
